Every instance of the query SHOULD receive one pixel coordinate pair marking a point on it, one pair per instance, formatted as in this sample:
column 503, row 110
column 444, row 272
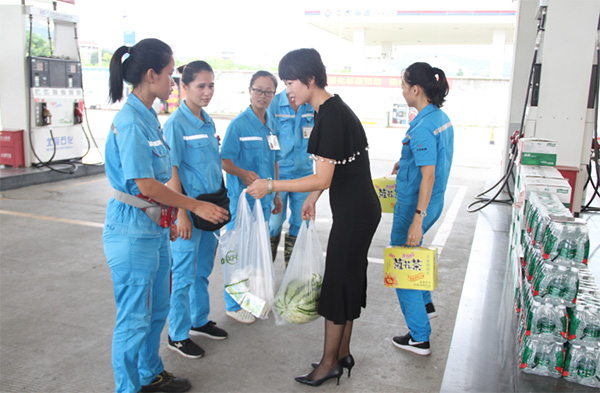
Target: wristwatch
column 422, row 213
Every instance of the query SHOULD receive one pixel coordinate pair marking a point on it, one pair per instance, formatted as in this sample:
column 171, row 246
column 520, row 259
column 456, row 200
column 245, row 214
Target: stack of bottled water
column 582, row 360
column 557, row 299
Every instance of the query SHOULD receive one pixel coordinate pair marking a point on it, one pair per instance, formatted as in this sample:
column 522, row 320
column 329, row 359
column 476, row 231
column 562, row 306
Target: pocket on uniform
column 159, row 149
column 162, row 162
column 197, row 143
column 131, row 277
column 197, row 152
column 252, row 145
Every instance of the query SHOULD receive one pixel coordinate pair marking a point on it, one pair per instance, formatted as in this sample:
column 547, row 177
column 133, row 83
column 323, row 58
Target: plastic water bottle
column 526, row 248
column 570, row 285
column 542, row 278
column 549, row 319
column 542, row 356
column 584, row 323
column 567, row 239
column 583, row 244
column 533, row 261
column 567, row 245
column 549, row 244
column 539, row 227
column 582, row 362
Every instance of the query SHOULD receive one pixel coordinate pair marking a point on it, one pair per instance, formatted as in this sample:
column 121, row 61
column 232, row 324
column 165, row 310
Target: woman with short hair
column 338, row 144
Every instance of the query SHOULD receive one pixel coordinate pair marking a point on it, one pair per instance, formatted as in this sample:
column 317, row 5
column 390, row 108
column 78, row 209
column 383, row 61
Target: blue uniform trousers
column 296, row 200
column 140, row 272
column 412, row 301
column 193, row 262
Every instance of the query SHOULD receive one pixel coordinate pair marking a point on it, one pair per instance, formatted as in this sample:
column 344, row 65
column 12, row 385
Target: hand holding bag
column 218, row 198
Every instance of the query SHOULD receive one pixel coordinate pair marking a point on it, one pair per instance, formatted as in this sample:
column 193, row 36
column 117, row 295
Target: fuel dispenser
column 56, row 94
column 554, row 97
column 56, row 109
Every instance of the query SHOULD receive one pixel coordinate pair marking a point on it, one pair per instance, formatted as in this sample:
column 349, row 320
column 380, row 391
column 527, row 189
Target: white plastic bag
column 234, row 248
column 297, row 299
column 246, row 260
column 262, row 277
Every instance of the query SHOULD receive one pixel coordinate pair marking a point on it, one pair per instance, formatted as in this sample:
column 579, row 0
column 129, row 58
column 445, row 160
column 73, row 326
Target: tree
column 93, row 59
column 106, row 56
column 39, row 46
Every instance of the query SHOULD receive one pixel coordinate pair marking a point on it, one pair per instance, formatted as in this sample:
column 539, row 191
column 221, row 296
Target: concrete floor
column 57, row 308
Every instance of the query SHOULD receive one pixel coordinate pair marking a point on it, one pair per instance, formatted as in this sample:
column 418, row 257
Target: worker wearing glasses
column 250, row 151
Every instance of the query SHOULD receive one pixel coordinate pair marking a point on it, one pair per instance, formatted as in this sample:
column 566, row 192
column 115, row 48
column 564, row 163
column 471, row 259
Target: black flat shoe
column 335, row 372
column 345, row 362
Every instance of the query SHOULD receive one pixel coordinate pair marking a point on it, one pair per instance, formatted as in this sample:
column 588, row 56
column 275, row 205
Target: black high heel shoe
column 345, row 362
column 335, row 372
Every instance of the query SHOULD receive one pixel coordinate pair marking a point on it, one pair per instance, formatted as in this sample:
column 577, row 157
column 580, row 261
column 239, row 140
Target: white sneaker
column 241, row 316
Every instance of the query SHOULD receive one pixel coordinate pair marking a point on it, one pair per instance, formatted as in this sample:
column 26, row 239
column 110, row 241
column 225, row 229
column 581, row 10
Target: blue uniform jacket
column 194, row 151
column 428, row 141
column 295, row 162
column 246, row 144
column 135, row 149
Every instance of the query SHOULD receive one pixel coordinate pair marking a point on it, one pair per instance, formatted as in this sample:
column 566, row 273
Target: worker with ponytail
column 139, row 217
column 422, row 177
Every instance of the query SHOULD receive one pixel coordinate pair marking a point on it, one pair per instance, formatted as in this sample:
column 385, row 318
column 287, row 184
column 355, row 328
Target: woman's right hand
column 248, row 178
column 395, row 169
column 308, row 209
column 184, row 225
column 210, row 212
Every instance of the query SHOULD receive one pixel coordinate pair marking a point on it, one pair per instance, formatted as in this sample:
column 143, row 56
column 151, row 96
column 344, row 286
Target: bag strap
column 132, row 200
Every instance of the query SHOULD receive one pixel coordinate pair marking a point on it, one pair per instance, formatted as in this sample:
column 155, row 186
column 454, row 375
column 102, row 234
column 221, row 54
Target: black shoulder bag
column 220, row 199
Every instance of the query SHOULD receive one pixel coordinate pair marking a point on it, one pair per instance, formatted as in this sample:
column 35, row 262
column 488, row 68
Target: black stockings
column 336, row 346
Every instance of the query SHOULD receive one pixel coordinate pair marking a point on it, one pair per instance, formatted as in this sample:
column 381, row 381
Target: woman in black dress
column 339, row 147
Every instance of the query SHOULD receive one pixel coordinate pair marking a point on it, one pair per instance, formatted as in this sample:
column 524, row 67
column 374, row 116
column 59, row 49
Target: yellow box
column 386, row 191
column 411, row 268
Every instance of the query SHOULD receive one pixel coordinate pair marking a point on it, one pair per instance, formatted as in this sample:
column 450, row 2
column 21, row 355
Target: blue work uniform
column 428, row 141
column 246, row 144
column 195, row 153
column 137, row 249
column 295, row 161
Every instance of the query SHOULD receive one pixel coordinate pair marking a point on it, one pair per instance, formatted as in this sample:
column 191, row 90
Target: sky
column 252, row 32
column 200, row 29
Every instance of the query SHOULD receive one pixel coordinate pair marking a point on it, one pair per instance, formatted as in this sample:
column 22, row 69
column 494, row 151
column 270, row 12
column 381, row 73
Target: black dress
column 339, row 138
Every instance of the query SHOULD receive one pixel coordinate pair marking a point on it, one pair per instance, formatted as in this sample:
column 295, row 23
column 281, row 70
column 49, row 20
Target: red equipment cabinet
column 11, row 148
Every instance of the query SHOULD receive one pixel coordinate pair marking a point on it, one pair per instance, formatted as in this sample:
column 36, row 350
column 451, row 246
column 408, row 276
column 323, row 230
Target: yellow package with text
column 411, row 268
column 386, row 192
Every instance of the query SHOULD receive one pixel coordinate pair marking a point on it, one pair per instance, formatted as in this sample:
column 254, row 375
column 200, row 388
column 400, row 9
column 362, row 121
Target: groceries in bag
column 297, row 300
column 246, row 260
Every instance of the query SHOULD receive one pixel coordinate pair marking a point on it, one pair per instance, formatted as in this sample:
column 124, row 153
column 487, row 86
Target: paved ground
column 57, row 306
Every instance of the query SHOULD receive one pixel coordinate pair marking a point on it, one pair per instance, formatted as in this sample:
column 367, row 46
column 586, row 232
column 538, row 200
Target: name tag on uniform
column 273, row 142
column 306, row 132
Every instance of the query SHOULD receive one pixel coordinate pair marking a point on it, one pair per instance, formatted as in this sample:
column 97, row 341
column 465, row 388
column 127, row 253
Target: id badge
column 306, row 132
column 273, row 142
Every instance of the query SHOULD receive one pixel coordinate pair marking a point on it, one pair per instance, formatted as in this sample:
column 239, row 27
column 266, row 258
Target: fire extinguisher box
column 11, row 148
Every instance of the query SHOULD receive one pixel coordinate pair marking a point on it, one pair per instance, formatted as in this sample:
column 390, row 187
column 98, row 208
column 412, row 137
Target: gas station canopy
column 414, row 27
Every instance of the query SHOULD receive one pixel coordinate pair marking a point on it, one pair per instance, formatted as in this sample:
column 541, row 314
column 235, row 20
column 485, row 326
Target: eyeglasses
column 259, row 92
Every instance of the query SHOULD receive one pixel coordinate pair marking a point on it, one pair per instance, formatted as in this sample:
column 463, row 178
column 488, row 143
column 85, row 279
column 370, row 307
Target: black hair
column 431, row 79
column 261, row 73
column 146, row 54
column 189, row 71
column 303, row 64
